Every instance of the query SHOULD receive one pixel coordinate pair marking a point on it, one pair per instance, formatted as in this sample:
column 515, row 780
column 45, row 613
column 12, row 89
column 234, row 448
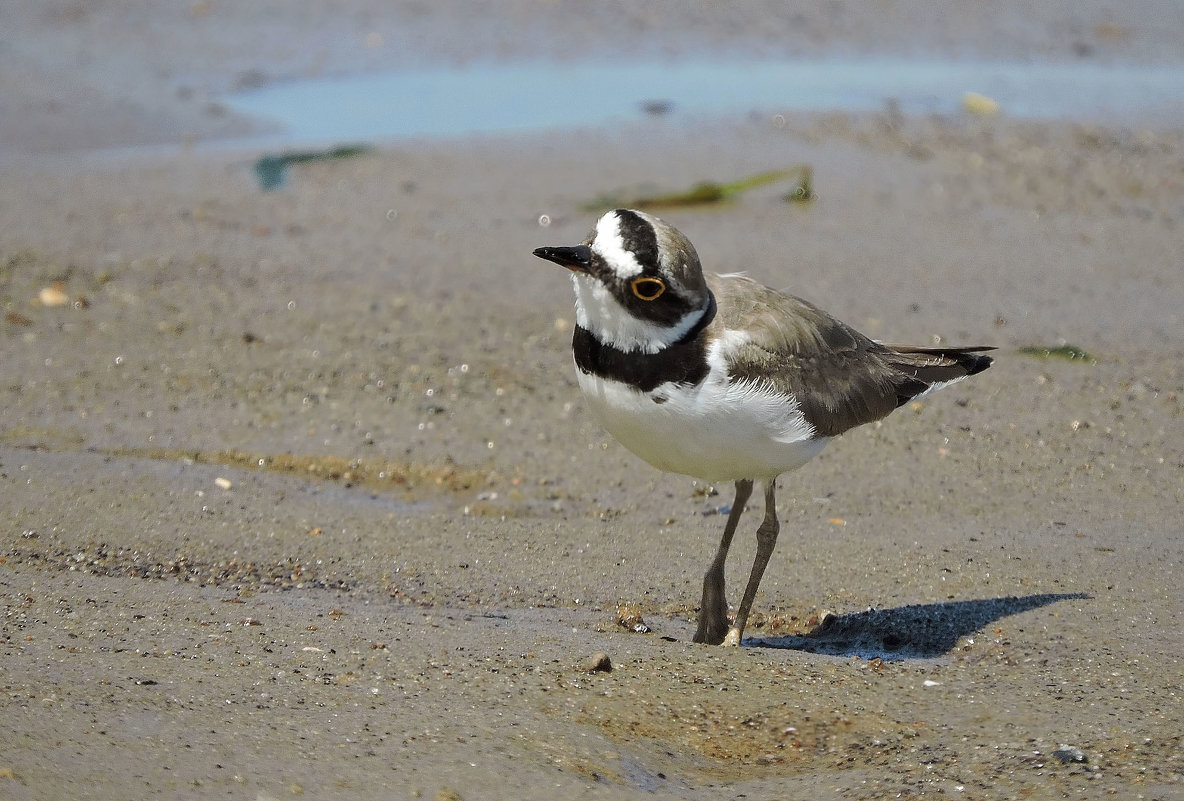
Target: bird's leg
column 766, row 540
column 713, row 612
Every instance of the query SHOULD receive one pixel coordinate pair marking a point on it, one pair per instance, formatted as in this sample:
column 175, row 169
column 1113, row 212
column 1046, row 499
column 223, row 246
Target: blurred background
column 101, row 75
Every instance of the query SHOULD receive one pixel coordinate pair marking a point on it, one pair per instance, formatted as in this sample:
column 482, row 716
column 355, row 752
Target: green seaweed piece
column 710, row 193
column 1069, row 352
column 271, row 171
column 698, row 195
column 804, row 191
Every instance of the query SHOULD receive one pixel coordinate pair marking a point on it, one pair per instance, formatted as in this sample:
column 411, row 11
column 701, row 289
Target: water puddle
column 484, row 99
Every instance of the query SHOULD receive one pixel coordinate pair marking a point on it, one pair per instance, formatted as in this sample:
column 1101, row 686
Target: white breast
column 716, row 431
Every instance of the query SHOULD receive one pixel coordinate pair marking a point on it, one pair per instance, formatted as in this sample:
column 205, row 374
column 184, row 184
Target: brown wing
column 839, row 377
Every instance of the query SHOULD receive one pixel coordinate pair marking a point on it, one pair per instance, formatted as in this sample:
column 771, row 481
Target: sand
column 299, row 496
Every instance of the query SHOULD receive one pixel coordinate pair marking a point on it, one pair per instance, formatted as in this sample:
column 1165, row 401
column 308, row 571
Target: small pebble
column 600, row 663
column 629, row 617
column 1070, row 753
column 980, row 104
column 223, row 483
column 53, row 295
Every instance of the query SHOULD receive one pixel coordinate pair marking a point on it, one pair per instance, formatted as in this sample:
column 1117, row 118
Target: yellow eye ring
column 648, row 288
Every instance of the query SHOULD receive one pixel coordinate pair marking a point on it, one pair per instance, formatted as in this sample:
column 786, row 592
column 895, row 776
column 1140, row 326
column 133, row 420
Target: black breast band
column 682, row 362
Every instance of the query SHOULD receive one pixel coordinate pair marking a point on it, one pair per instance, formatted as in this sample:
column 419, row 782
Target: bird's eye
column 648, row 288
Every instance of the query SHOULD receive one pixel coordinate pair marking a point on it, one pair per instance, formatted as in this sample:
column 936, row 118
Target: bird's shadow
column 922, row 631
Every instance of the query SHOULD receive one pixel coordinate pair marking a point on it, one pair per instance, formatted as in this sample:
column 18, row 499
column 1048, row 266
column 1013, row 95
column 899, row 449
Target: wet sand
column 299, row 496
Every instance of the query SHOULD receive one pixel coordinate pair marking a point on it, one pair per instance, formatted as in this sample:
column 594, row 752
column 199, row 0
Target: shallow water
column 544, row 96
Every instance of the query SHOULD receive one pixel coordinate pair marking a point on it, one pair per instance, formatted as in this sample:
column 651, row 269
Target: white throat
column 598, row 312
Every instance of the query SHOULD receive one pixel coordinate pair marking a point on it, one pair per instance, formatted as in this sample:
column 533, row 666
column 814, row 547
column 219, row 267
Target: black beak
column 578, row 259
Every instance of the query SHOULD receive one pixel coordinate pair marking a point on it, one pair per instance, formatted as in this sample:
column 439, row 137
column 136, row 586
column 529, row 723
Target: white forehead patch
column 610, row 246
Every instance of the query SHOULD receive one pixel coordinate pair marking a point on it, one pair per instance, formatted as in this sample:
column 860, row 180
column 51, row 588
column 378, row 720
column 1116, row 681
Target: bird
column 718, row 377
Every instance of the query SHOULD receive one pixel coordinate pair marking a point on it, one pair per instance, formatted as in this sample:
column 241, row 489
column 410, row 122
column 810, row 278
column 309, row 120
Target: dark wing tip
column 967, row 359
column 980, row 363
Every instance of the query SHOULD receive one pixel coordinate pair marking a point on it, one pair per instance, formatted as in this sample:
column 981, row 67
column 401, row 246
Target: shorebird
column 720, row 378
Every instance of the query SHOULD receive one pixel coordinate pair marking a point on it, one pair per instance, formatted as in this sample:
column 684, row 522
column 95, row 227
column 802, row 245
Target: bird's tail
column 924, row 370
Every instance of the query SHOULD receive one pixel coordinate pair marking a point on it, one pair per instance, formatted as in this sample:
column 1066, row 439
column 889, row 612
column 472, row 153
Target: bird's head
column 638, row 282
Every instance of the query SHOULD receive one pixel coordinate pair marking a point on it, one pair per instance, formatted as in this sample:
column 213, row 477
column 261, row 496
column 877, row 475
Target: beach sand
column 299, row 497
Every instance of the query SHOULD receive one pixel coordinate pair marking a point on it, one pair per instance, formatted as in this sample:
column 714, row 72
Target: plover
column 720, row 378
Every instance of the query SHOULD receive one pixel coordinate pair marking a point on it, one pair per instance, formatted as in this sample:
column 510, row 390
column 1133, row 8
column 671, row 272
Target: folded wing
column 839, row 377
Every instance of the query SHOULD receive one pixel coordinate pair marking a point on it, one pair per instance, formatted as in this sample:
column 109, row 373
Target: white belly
column 716, row 431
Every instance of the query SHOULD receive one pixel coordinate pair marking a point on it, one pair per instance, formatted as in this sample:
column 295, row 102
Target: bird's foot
column 713, row 628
